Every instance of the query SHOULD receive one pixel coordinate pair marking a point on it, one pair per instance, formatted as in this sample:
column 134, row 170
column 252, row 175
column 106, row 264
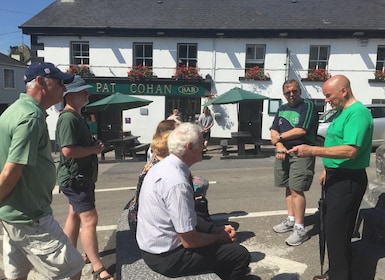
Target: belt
column 344, row 170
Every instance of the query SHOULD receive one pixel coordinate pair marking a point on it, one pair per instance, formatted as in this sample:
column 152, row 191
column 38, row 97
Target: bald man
column 346, row 154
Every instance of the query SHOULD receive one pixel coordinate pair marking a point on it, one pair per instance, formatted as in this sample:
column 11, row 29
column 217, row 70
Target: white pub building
column 191, row 51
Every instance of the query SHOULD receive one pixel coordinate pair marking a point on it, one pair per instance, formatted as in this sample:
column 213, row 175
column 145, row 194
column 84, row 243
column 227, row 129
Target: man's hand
column 98, row 146
column 301, row 150
column 231, row 232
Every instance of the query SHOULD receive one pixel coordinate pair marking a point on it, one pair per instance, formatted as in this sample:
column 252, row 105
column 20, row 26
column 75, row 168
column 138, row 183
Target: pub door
column 250, row 117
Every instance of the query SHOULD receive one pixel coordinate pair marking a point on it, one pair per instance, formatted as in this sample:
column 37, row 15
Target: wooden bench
column 129, row 262
column 140, row 147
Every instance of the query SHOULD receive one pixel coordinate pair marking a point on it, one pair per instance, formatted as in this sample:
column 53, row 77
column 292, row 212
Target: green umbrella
column 235, row 95
column 117, row 102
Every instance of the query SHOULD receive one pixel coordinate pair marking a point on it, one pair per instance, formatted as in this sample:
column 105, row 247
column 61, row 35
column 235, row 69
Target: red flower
column 187, row 73
column 81, row 70
column 139, row 72
column 379, row 75
column 318, row 75
column 256, row 73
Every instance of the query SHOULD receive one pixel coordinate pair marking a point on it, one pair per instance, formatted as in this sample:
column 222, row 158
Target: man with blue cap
column 32, row 237
column 78, row 172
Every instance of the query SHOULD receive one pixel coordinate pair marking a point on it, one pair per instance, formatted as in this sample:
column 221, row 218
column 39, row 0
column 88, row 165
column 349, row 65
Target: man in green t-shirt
column 77, row 173
column 32, row 238
column 346, row 154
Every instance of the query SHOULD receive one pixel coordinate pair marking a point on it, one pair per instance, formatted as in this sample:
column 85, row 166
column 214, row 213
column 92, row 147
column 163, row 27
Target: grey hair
column 182, row 135
column 291, row 81
column 31, row 84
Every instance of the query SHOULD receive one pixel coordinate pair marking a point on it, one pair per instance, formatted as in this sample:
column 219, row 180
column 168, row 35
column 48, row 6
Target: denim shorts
column 294, row 172
column 41, row 245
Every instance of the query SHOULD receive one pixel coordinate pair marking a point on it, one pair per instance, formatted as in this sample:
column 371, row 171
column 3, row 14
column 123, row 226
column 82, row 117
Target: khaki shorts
column 43, row 246
column 294, row 172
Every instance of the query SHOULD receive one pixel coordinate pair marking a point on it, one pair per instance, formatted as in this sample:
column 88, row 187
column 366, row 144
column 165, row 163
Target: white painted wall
column 224, row 60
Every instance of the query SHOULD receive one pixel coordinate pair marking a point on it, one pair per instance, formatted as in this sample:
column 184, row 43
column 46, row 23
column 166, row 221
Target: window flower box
column 81, row 70
column 318, row 75
column 256, row 73
column 139, row 72
column 186, row 73
column 379, row 75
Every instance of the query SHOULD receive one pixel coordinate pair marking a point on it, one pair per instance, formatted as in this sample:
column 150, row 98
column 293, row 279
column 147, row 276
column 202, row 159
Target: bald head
column 338, row 92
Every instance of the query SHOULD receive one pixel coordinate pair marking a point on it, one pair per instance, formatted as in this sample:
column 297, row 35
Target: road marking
column 234, row 216
column 56, row 189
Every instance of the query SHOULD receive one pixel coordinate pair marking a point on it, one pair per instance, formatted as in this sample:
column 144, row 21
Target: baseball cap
column 46, row 69
column 78, row 84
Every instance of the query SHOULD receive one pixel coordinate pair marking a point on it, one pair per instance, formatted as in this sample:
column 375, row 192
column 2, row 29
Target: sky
column 14, row 13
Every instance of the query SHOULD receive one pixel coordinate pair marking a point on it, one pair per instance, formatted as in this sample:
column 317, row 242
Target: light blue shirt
column 166, row 206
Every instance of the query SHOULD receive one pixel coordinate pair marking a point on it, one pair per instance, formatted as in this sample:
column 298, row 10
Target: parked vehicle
column 378, row 113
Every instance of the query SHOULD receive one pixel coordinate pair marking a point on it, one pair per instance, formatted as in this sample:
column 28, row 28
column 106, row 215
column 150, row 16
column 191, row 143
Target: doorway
column 250, row 117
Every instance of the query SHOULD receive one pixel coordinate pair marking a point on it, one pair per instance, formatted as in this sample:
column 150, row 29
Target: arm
column 75, row 151
column 9, row 177
column 343, row 151
column 194, row 239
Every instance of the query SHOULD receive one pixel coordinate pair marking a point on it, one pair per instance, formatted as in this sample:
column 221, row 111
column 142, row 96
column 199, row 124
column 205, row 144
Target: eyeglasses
column 294, row 91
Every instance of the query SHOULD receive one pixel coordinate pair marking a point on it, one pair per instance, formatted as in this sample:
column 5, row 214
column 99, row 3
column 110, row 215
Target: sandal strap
column 97, row 274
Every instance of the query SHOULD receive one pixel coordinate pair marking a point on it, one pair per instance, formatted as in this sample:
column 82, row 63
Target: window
column 255, row 56
column 319, row 57
column 274, row 105
column 80, row 53
column 380, row 64
column 142, row 54
column 9, row 78
column 187, row 55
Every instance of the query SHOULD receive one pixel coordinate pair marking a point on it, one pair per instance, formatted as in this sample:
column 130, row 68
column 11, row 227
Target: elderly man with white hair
column 167, row 222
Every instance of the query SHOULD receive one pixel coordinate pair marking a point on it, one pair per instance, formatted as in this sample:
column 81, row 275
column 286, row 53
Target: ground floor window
column 189, row 107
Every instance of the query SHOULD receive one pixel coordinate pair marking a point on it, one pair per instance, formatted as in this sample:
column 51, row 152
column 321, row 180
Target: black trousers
column 344, row 192
column 228, row 261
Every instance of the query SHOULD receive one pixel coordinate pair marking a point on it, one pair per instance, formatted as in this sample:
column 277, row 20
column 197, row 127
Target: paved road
column 241, row 192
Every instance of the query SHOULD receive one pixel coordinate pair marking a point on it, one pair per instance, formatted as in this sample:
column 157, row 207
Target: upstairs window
column 255, row 56
column 80, row 53
column 380, row 63
column 318, row 58
column 143, row 54
column 9, row 78
column 187, row 55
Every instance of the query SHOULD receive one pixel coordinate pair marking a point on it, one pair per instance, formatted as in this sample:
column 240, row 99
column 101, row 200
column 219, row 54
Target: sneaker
column 285, row 226
column 297, row 237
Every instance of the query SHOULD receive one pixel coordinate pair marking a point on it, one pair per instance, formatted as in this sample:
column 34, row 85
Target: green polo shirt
column 352, row 126
column 24, row 140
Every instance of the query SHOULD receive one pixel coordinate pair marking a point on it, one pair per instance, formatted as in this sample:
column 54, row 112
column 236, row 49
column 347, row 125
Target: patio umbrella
column 235, row 95
column 117, row 102
column 322, row 234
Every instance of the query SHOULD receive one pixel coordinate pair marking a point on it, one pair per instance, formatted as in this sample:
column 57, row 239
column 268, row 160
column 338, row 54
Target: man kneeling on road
column 167, row 221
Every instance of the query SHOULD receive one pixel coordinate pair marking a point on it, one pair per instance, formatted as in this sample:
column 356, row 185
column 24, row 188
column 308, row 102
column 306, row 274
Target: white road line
column 56, row 189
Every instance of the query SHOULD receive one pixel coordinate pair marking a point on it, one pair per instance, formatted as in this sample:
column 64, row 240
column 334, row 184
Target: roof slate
column 6, row 60
column 213, row 14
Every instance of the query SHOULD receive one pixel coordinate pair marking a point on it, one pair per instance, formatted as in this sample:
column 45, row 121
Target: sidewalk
column 271, row 258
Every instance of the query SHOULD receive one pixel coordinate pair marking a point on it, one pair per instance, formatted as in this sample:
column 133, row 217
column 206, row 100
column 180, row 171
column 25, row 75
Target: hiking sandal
column 98, row 272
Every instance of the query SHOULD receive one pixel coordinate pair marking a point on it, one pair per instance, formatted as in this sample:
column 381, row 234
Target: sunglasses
column 294, row 91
